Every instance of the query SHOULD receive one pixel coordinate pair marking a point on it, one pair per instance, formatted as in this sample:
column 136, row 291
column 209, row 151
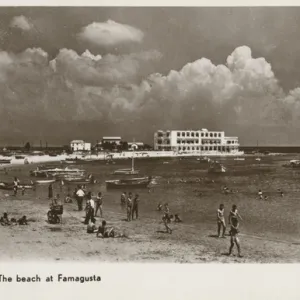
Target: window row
column 206, row 148
column 196, row 134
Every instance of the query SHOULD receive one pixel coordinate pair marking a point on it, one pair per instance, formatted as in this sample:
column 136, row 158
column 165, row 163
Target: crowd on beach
column 130, row 202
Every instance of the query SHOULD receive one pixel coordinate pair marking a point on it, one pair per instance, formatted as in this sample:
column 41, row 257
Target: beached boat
column 19, row 157
column 258, row 159
column 239, row 158
column 294, row 163
column 5, row 161
column 10, row 185
column 46, row 181
column 79, row 181
column 132, row 183
column 131, row 171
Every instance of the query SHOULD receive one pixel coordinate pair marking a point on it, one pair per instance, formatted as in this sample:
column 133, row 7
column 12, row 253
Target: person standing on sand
column 99, row 202
column 90, row 209
column 260, row 195
column 234, row 240
column 79, row 197
column 166, row 220
column 16, row 185
column 50, row 191
column 221, row 221
column 234, row 214
column 129, row 207
column 135, row 206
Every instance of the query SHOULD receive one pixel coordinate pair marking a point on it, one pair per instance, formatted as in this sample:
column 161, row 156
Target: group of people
column 132, row 205
column 5, row 221
column 265, row 197
column 233, row 220
column 80, row 194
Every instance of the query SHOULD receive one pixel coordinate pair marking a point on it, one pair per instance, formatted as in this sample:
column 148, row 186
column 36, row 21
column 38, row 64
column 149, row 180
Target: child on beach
column 4, row 221
column 221, row 221
column 23, row 190
column 166, row 220
column 177, row 219
column 123, row 198
column 234, row 240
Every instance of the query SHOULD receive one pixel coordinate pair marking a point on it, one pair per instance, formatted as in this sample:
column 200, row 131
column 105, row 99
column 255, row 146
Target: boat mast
column 132, row 161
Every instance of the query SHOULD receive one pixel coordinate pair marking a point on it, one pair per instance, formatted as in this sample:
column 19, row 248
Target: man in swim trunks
column 234, row 240
column 221, row 221
column 234, row 214
column 129, row 207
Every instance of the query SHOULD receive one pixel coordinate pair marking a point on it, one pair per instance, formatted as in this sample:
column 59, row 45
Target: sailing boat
column 131, row 171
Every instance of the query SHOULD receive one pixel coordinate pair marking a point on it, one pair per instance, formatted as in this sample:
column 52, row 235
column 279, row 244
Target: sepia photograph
column 150, row 135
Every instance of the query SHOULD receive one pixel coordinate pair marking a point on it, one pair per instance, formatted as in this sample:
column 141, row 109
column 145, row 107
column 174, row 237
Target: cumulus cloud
column 21, row 22
column 110, row 33
column 110, row 69
column 125, row 90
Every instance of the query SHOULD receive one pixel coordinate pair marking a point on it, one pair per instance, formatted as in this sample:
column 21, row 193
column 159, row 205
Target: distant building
column 196, row 141
column 80, row 145
column 135, row 145
column 112, row 139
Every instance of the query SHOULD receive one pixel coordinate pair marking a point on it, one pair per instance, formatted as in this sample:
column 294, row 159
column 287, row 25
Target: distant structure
column 135, row 145
column 195, row 141
column 112, row 139
column 80, row 145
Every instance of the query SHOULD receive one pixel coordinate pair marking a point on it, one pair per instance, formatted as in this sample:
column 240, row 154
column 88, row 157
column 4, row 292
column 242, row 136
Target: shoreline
column 103, row 156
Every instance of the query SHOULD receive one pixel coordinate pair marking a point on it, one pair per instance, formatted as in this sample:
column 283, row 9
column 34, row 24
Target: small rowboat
column 10, row 186
column 136, row 183
column 45, row 181
column 5, row 161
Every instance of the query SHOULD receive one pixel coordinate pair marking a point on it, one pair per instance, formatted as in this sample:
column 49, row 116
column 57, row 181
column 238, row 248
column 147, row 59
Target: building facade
column 112, row 139
column 80, row 145
column 195, row 141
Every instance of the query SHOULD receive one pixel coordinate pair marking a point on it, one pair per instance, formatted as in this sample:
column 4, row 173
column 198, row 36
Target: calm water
column 275, row 218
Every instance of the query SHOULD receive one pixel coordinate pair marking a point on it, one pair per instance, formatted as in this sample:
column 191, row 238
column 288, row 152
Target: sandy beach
column 269, row 232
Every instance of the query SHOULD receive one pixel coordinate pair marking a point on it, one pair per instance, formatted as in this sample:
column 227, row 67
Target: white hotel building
column 195, row 141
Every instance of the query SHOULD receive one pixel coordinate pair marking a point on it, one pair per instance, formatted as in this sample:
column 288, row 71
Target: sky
column 83, row 73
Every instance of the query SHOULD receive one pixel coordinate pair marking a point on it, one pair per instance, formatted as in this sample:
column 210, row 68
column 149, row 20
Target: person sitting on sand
column 4, row 221
column 177, row 219
column 221, row 221
column 234, row 214
column 22, row 221
column 266, row 198
column 234, row 230
column 105, row 232
column 159, row 207
column 166, row 220
column 91, row 227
